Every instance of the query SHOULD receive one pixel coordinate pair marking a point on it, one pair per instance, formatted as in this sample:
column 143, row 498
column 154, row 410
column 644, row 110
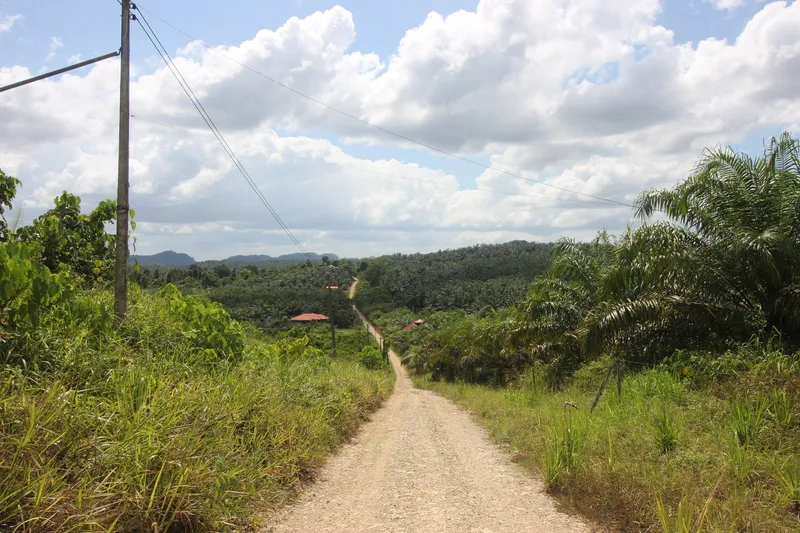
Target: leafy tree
column 66, row 239
column 8, row 189
column 222, row 270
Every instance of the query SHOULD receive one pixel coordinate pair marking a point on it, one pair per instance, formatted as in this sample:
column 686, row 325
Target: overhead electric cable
column 344, row 167
column 380, row 128
column 212, row 126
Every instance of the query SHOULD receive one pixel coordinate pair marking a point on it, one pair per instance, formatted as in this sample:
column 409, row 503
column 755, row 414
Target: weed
column 739, row 460
column 561, row 454
column 609, row 453
column 789, row 476
column 666, row 431
column 682, row 521
column 781, row 408
column 747, row 420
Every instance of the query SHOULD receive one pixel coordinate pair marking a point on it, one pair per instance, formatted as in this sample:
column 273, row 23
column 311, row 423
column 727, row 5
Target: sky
column 571, row 102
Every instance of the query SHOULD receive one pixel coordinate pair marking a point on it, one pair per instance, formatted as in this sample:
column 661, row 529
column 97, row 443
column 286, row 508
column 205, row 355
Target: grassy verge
column 664, row 456
column 144, row 430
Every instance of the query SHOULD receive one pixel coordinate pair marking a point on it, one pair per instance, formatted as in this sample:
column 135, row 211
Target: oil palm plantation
column 724, row 266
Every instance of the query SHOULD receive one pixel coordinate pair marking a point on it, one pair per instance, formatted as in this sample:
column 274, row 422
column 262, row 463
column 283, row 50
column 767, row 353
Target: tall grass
column 561, row 453
column 747, row 417
column 145, row 431
column 789, row 476
column 665, row 437
column 665, row 430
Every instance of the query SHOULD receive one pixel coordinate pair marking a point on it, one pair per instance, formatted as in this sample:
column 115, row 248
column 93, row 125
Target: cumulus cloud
column 581, row 95
column 8, row 21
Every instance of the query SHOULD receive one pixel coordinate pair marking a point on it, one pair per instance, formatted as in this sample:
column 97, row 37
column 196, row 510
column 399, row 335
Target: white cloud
column 55, row 44
column 75, row 58
column 585, row 95
column 8, row 21
column 728, row 5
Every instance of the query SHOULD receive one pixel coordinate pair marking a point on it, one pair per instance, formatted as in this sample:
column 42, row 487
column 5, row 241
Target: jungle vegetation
column 650, row 377
column 180, row 418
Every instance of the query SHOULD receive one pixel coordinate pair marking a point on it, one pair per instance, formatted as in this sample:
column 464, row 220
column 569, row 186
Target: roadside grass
column 141, row 432
column 663, row 456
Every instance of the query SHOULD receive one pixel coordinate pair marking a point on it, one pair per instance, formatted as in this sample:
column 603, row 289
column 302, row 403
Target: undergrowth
column 181, row 420
column 670, row 454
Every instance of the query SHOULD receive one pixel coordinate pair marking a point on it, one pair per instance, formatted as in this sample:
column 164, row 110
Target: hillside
column 168, row 257
column 485, row 276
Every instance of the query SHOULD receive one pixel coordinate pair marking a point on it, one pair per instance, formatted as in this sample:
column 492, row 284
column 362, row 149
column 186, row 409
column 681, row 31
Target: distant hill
column 164, row 258
column 170, row 258
column 286, row 257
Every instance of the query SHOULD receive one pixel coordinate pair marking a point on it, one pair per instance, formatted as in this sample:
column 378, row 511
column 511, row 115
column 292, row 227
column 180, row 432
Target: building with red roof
column 309, row 317
column 413, row 325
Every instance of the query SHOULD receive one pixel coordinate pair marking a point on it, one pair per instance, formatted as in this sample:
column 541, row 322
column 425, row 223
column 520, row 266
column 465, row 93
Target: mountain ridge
column 173, row 258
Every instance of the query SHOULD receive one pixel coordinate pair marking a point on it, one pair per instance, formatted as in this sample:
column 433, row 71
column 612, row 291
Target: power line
column 380, row 128
column 212, row 126
column 462, row 187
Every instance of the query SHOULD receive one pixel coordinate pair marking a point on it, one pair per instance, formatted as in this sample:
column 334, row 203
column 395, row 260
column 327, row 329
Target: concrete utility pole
column 121, row 265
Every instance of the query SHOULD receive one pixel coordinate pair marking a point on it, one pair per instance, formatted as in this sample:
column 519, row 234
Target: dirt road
column 422, row 465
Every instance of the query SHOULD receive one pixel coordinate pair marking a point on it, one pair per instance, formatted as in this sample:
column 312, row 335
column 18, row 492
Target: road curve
column 422, row 465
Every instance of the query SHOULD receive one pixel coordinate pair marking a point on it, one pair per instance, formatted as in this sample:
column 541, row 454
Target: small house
column 307, row 318
column 414, row 324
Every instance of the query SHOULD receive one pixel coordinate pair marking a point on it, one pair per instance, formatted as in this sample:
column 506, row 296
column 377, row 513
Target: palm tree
column 731, row 253
column 547, row 322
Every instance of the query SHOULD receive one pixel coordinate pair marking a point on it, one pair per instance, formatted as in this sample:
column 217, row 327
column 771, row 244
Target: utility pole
column 121, row 265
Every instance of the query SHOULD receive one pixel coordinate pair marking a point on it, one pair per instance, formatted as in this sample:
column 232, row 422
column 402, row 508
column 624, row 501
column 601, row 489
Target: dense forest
column 482, row 277
column 178, row 417
column 696, row 318
column 266, row 296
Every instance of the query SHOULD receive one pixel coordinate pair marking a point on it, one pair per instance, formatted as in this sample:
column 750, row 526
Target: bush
column 370, row 357
column 208, row 325
column 125, row 431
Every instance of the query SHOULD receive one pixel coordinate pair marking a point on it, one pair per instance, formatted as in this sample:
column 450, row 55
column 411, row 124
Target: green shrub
column 370, row 357
column 208, row 325
column 27, row 289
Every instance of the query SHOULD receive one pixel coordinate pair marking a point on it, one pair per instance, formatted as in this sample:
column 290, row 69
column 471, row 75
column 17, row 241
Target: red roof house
column 413, row 325
column 309, row 317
